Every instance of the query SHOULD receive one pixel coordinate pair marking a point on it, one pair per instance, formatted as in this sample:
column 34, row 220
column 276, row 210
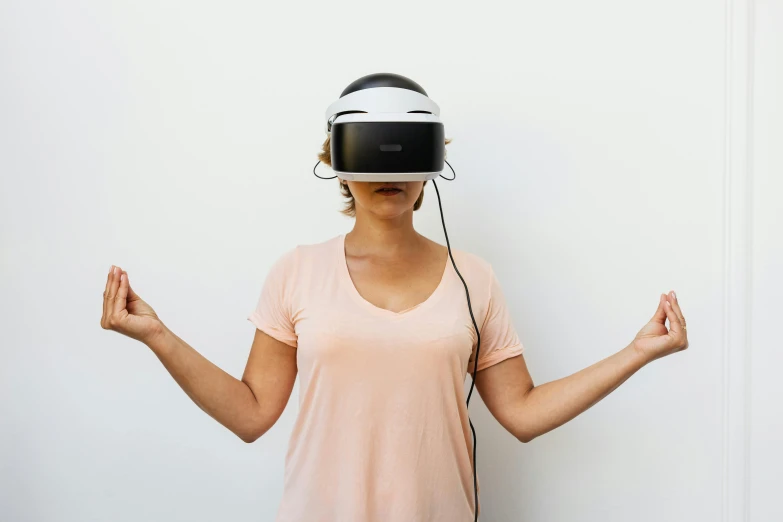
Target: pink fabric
column 382, row 432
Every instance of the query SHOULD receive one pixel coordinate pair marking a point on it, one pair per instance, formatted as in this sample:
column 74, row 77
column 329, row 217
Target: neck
column 383, row 237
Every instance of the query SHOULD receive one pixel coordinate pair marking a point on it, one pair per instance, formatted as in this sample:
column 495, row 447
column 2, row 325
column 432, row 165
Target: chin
column 391, row 211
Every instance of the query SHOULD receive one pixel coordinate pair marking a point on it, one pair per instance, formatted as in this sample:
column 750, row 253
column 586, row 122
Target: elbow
column 526, row 437
column 248, row 437
column 251, row 433
column 525, row 430
column 525, row 434
column 259, row 424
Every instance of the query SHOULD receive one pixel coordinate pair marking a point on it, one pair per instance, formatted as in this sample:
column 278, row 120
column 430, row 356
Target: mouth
column 388, row 190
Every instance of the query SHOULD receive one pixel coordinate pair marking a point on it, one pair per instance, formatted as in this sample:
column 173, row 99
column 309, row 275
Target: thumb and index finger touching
column 119, row 290
column 667, row 310
column 125, row 293
column 121, row 301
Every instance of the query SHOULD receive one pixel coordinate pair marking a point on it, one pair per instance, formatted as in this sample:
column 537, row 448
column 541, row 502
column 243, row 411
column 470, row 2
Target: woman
column 375, row 324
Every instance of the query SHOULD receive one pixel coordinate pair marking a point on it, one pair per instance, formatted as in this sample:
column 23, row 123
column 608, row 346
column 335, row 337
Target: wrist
column 160, row 339
column 639, row 356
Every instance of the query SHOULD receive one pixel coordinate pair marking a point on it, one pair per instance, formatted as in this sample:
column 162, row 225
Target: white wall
column 605, row 152
column 764, row 390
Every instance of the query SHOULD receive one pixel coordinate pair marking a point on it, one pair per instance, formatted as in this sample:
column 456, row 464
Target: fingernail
column 111, row 269
column 674, row 295
column 122, row 277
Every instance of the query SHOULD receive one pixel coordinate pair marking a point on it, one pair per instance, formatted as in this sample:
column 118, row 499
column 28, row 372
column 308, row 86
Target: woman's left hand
column 654, row 340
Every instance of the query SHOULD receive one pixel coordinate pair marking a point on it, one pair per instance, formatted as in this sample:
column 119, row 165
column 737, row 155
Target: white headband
column 382, row 99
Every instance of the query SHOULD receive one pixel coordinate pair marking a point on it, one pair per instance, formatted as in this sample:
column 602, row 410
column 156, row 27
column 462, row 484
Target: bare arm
column 247, row 407
column 528, row 411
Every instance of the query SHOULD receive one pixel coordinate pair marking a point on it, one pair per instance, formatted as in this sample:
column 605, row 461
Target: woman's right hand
column 125, row 312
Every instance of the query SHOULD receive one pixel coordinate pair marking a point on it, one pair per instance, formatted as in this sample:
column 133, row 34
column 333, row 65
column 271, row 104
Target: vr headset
column 384, row 127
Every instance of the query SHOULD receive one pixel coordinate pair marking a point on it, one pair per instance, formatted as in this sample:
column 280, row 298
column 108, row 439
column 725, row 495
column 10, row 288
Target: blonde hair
column 350, row 204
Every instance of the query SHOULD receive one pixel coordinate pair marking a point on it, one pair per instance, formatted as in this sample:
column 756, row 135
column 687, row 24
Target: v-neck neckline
column 346, row 276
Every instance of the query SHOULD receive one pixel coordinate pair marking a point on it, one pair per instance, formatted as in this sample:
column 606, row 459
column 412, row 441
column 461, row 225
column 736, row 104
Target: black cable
column 317, row 176
column 452, row 170
column 478, row 344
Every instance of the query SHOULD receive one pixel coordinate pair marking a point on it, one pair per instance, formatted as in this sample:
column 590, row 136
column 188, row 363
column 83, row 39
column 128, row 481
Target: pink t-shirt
column 382, row 432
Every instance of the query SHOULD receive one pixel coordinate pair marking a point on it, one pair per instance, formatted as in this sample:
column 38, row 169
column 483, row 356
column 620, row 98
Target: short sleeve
column 499, row 339
column 273, row 312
